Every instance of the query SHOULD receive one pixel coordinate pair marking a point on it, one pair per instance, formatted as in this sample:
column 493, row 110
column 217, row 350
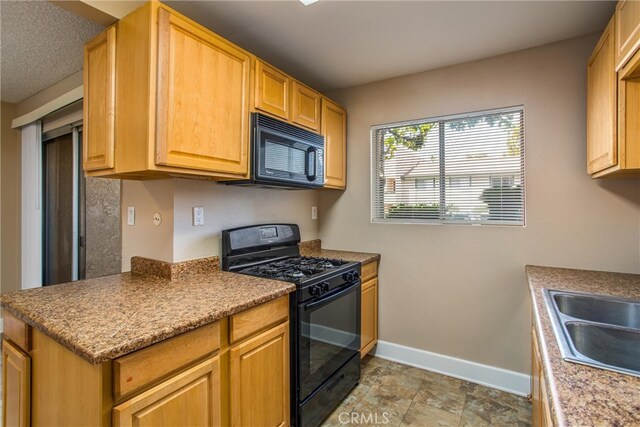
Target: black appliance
column 324, row 314
column 283, row 155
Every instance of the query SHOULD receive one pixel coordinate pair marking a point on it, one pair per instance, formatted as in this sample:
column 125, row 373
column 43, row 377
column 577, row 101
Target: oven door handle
column 331, row 298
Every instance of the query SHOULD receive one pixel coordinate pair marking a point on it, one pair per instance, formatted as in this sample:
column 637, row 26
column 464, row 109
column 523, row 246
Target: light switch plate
column 198, row 215
column 314, row 212
column 131, row 215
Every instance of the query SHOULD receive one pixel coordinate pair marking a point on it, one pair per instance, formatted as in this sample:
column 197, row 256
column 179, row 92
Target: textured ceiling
column 337, row 44
column 328, row 45
column 40, row 44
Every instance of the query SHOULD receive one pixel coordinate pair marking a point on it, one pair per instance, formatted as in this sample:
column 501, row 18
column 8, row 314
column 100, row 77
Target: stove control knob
column 350, row 276
column 315, row 291
column 325, row 287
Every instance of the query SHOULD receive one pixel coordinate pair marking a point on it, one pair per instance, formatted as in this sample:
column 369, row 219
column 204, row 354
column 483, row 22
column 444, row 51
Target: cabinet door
column 369, row 316
column 602, row 151
column 191, row 398
column 305, row 110
column 202, row 101
column 536, row 412
column 627, row 24
column 334, row 129
column 16, row 386
column 259, row 379
column 99, row 101
column 272, row 90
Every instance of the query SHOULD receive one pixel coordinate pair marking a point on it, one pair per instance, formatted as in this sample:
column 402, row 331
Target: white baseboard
column 490, row 376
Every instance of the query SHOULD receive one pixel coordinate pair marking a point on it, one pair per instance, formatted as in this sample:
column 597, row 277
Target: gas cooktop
column 294, row 269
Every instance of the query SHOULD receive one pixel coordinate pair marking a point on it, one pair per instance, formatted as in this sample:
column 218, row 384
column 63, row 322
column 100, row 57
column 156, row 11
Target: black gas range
column 324, row 313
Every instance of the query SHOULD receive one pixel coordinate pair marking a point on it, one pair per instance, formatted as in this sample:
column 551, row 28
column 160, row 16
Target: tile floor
column 392, row 394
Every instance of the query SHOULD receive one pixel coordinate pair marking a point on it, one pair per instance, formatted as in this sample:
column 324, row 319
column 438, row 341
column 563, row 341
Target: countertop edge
column 141, row 343
column 556, row 408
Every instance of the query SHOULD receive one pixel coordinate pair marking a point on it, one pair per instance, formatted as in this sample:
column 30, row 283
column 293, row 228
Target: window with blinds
column 466, row 169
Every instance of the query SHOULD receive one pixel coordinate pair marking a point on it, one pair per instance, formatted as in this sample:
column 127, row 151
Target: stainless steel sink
column 612, row 311
column 596, row 330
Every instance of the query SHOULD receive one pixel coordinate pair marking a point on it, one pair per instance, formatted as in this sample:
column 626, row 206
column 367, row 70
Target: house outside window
column 467, row 169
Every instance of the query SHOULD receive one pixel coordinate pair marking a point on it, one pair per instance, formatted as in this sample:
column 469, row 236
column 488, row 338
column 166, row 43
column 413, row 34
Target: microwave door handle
column 311, row 164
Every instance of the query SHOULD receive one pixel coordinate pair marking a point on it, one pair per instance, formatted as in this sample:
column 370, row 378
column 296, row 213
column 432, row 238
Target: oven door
column 329, row 336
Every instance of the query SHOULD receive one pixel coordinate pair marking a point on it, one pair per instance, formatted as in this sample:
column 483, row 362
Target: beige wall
column 10, row 203
column 176, row 239
column 461, row 290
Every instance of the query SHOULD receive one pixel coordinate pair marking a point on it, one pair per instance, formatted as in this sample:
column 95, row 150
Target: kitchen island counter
column 104, row 318
column 579, row 394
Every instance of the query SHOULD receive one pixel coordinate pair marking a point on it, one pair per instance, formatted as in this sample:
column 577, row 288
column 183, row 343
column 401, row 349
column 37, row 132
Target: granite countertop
column 104, row 318
column 313, row 248
column 579, row 394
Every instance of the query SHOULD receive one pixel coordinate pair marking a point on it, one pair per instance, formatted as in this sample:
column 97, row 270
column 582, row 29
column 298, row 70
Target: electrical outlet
column 157, row 219
column 198, row 215
column 314, row 212
column 131, row 215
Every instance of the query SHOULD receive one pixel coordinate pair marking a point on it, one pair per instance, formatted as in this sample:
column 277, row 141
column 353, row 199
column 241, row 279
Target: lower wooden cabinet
column 369, row 322
column 369, row 307
column 203, row 377
column 16, row 386
column 191, row 398
column 259, row 379
column 540, row 411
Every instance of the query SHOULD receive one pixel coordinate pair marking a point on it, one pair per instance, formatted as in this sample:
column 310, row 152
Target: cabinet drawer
column 136, row 370
column 369, row 271
column 17, row 331
column 250, row 321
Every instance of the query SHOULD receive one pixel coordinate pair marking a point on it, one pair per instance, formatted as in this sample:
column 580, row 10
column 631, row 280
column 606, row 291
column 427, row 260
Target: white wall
column 176, row 239
column 461, row 290
column 229, row 206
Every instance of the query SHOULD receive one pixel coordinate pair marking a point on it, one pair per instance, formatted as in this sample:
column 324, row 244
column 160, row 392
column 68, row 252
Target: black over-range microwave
column 283, row 155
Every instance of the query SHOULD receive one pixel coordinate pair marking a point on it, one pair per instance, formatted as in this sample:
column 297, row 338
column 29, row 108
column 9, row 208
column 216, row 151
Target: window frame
column 374, row 171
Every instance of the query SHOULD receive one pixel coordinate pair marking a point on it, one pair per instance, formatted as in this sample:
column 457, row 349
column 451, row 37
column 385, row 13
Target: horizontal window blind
column 467, row 169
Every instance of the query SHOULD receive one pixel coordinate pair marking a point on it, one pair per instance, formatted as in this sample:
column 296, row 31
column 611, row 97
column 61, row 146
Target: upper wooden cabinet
column 601, row 104
column 305, row 109
column 334, row 130
column 282, row 96
column 613, row 98
column 627, row 23
column 272, row 89
column 99, row 100
column 181, row 100
column 202, row 100
column 164, row 96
